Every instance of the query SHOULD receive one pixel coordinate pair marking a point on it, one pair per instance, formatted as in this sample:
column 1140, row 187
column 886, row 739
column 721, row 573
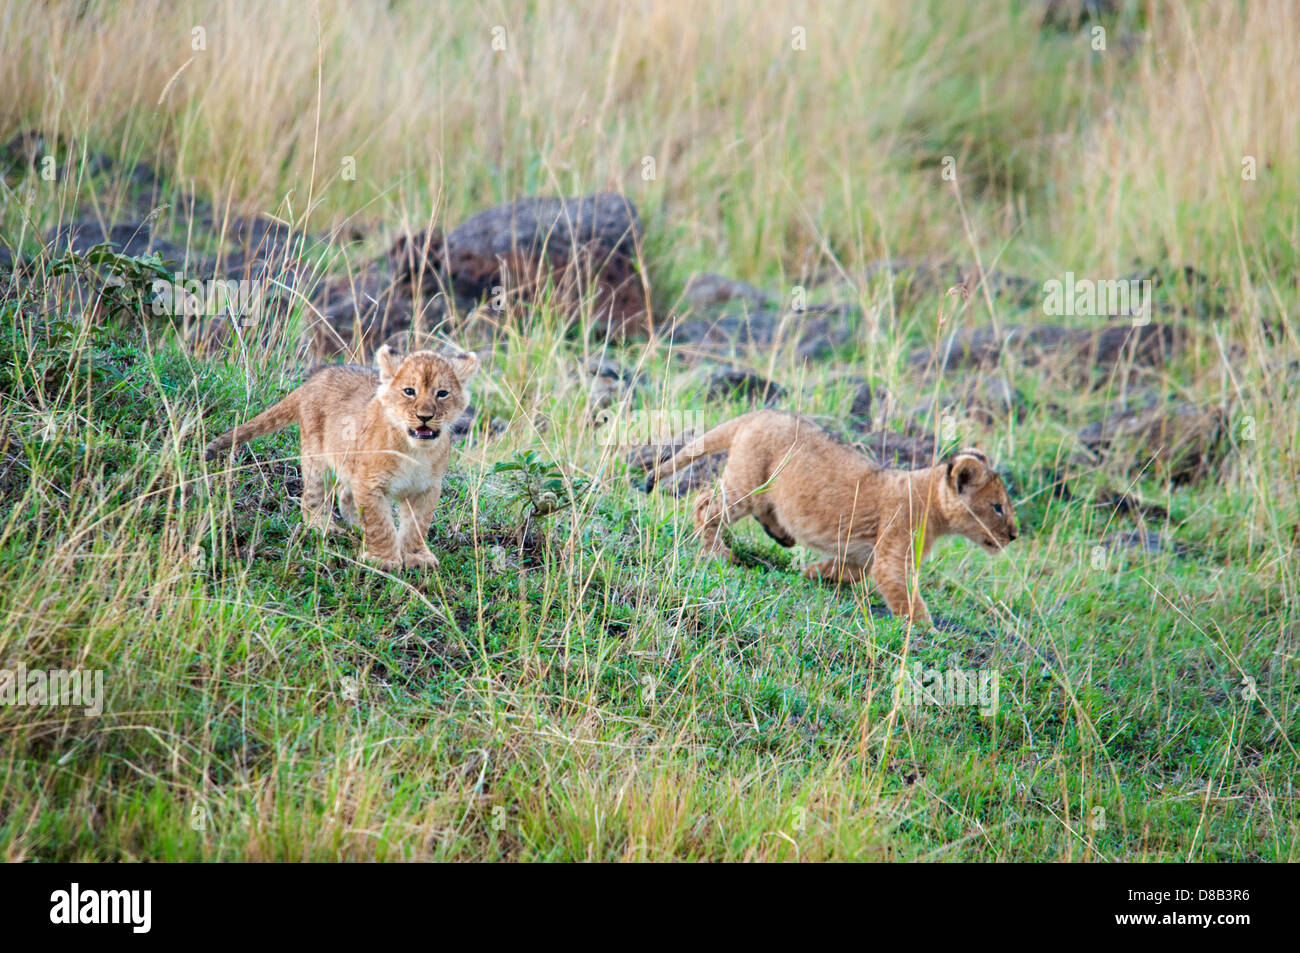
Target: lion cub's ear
column 968, row 468
column 464, row 366
column 387, row 363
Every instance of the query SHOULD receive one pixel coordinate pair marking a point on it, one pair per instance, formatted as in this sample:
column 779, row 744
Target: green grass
column 601, row 693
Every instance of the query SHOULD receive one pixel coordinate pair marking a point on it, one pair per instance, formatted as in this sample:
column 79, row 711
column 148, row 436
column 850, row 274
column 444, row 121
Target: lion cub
column 386, row 436
column 804, row 486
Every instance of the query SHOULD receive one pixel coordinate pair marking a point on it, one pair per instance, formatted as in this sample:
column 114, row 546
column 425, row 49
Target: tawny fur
column 385, row 434
column 803, row 486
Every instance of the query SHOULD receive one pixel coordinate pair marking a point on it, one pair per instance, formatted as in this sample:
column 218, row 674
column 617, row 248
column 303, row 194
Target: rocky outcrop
column 1181, row 442
column 584, row 248
column 1147, row 345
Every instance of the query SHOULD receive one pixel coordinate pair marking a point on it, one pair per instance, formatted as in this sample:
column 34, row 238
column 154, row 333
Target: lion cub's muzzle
column 426, row 429
column 998, row 542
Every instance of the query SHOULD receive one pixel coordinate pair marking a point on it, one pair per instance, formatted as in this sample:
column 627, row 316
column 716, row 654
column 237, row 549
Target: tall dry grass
column 765, row 155
column 1199, row 161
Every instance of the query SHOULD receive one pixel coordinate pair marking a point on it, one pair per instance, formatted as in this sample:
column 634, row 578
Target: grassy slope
column 604, row 694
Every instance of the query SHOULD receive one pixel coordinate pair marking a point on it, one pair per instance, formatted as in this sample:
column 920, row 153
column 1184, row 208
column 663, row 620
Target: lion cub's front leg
column 348, row 507
column 417, row 514
column 376, row 512
column 315, row 497
column 890, row 571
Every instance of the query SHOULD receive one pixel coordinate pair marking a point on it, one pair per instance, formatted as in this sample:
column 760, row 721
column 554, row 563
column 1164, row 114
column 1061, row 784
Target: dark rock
column 914, row 280
column 986, row 399
column 143, row 175
column 728, row 382
column 267, row 252
column 1148, row 345
column 706, row 290
column 259, row 236
column 96, row 163
column 814, row 332
column 23, row 150
column 995, row 395
column 872, row 407
column 462, row 425
column 607, row 381
column 127, row 238
column 14, row 469
column 1126, row 504
column 358, row 313
column 891, row 449
column 347, row 233
column 605, row 369
column 819, row 331
column 1143, row 540
column 1055, row 481
column 274, row 288
column 974, row 347
column 724, row 315
column 700, row 475
column 1196, row 293
column 1181, row 442
column 416, row 261
column 586, row 246
column 863, row 398
column 1069, row 15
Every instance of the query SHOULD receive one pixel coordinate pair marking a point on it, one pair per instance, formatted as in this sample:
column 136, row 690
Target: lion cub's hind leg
column 316, row 510
column 716, row 509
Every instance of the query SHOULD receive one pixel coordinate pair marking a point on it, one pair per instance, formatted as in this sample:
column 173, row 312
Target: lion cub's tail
column 268, row 421
column 713, row 441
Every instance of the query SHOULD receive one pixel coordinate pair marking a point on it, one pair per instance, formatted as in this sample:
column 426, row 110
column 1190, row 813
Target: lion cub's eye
column 443, row 394
column 997, row 508
column 409, row 391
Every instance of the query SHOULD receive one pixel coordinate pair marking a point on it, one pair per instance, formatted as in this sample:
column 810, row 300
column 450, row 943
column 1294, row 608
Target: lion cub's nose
column 424, row 418
column 1012, row 532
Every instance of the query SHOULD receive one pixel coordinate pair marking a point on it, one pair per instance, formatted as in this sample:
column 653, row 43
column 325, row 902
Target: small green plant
column 538, row 487
column 128, row 279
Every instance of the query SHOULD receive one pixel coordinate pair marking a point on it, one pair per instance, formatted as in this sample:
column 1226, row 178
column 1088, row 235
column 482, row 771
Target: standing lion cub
column 386, row 436
column 803, row 486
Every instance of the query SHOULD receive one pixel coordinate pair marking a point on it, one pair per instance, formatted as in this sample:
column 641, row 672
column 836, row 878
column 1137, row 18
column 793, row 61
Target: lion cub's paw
column 820, row 572
column 324, row 528
column 828, row 570
column 385, row 563
column 719, row 551
column 420, row 560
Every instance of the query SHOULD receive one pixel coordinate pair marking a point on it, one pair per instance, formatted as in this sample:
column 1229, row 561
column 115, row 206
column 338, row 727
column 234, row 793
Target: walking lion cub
column 803, row 486
column 385, row 434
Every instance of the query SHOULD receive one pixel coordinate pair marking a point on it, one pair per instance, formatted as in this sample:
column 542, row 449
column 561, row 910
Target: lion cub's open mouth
column 424, row 433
